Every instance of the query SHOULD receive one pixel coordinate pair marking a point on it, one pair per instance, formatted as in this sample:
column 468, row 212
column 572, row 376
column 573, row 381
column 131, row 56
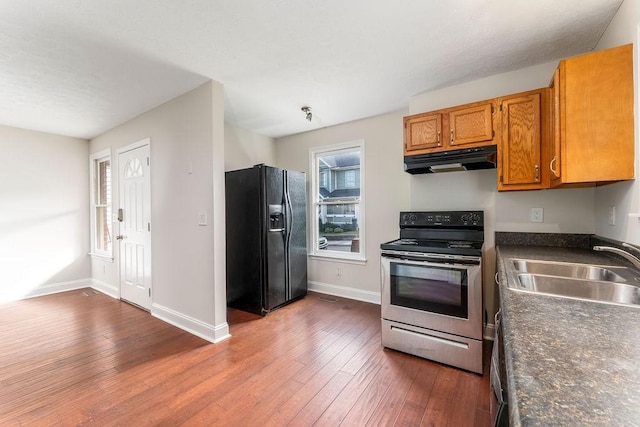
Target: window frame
column 94, row 160
column 314, row 201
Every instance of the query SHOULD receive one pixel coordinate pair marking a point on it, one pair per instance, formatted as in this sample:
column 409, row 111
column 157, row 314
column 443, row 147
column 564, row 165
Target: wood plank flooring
column 80, row 358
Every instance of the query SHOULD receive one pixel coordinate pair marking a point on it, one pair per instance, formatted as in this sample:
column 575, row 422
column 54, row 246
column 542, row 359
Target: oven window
column 441, row 290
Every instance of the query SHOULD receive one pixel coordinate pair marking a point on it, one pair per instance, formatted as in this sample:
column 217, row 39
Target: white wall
column 623, row 29
column 387, row 193
column 187, row 177
column 44, row 213
column 244, row 149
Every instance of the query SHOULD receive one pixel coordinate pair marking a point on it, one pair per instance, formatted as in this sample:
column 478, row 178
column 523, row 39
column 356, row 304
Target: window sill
column 354, row 259
column 99, row 257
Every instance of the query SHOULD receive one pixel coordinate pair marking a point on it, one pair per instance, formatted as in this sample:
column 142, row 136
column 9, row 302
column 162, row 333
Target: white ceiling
column 81, row 67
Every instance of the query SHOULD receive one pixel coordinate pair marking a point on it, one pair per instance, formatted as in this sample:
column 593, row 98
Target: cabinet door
column 422, row 132
column 596, row 117
column 521, row 143
column 470, row 125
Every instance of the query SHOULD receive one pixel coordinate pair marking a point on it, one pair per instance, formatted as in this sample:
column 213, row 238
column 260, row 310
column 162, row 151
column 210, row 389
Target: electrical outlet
column 537, row 215
column 612, row 215
column 338, row 272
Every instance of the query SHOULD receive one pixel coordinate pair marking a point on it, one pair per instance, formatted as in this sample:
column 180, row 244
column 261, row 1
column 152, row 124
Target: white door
column 135, row 225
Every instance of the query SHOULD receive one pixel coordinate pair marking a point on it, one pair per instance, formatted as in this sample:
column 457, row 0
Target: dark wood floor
column 81, row 358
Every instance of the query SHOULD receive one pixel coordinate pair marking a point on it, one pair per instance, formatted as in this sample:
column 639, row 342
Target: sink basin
column 610, row 292
column 570, row 270
column 598, row 283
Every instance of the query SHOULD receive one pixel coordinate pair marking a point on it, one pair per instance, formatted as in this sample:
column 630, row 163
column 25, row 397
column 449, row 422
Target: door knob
column 119, row 237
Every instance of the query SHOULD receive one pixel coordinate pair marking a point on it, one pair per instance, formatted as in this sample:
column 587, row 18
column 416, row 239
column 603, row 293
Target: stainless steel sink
column 575, row 271
column 607, row 284
column 610, row 292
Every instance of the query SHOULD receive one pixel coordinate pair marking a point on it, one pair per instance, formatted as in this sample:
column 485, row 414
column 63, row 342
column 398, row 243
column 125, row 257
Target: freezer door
column 296, row 196
column 274, row 220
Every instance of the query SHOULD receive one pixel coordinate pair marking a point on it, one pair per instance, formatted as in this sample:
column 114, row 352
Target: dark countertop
column 569, row 362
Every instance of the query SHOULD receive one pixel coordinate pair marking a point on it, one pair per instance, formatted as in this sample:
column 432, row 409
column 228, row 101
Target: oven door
column 441, row 296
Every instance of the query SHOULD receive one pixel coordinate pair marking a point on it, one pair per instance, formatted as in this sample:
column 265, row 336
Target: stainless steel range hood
column 454, row 160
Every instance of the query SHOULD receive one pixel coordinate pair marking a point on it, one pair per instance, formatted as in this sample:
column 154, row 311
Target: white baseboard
column 48, row 289
column 345, row 292
column 196, row 327
column 106, row 288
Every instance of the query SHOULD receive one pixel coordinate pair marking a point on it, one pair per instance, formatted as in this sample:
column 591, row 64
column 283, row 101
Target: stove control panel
column 442, row 219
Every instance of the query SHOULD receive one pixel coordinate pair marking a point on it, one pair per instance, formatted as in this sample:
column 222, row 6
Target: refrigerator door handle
column 288, row 209
column 288, row 214
column 277, row 230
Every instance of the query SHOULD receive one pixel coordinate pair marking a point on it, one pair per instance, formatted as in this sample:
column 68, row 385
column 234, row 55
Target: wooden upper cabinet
column 523, row 146
column 471, row 125
column 423, row 131
column 594, row 118
column 465, row 126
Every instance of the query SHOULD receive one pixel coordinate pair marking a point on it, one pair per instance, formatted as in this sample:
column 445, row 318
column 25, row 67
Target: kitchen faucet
column 634, row 260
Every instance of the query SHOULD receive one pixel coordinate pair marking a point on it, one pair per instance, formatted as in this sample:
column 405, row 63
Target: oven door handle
column 433, row 263
column 383, row 276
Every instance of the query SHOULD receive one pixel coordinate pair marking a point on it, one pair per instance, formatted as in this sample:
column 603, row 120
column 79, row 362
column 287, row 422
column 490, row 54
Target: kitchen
column 583, row 210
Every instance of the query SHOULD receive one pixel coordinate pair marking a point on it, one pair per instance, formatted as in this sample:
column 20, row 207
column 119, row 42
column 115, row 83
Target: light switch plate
column 202, row 218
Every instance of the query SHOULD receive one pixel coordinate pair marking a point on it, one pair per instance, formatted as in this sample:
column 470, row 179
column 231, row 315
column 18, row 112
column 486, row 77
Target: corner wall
column 44, row 213
column 187, row 177
column 243, row 149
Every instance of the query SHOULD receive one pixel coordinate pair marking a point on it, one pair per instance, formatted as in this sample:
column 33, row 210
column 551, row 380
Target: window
column 350, row 178
column 337, row 175
column 101, row 226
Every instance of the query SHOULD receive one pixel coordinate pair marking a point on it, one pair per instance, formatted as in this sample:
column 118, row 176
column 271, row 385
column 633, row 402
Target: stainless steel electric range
column 432, row 287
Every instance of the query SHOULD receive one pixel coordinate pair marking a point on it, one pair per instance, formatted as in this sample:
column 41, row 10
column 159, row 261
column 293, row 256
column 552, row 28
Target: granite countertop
column 569, row 362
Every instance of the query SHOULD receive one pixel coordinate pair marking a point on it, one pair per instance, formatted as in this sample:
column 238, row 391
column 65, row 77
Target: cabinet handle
column 452, row 136
column 438, row 140
column 537, row 169
column 553, row 171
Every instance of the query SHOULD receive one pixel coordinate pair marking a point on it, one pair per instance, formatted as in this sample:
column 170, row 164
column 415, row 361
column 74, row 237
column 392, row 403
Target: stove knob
column 413, row 217
column 476, row 218
column 464, row 218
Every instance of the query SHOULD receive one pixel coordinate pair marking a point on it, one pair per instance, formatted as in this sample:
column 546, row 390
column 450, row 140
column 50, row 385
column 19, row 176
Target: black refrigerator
column 266, row 223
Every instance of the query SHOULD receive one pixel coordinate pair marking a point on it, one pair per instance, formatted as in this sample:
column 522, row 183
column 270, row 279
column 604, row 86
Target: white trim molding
column 47, row 289
column 315, row 201
column 106, row 288
column 345, row 292
column 211, row 333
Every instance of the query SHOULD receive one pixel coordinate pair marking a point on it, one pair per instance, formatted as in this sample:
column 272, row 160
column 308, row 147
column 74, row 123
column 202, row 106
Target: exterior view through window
column 338, row 190
column 101, row 201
